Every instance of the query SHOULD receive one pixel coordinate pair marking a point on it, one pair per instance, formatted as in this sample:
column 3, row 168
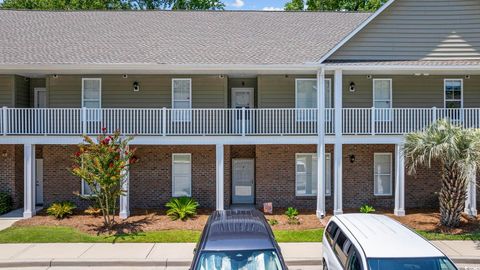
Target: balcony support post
column 84, row 121
column 321, row 143
column 29, row 180
column 219, row 153
column 338, row 147
column 243, row 121
column 125, row 197
column 434, row 114
column 399, row 181
column 471, row 202
column 4, row 120
column 164, row 121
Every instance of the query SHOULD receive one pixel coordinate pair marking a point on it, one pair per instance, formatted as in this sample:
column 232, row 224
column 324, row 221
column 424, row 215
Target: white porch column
column 125, row 198
column 29, row 180
column 471, row 202
column 399, row 181
column 219, row 177
column 338, row 151
column 321, row 143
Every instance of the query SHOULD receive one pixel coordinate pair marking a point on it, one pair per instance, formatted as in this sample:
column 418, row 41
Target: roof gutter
column 150, row 68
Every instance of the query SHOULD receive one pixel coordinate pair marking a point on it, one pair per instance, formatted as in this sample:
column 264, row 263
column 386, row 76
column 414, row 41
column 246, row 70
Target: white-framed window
column 92, row 97
column 306, row 97
column 453, row 93
column 86, row 190
column 382, row 174
column 306, row 174
column 181, row 175
column 382, row 99
column 182, row 99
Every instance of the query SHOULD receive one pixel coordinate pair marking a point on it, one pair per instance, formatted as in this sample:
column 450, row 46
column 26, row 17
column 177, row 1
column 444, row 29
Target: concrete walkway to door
column 7, row 220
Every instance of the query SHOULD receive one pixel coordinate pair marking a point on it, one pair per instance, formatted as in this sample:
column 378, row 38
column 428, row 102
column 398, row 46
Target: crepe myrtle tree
column 457, row 150
column 103, row 164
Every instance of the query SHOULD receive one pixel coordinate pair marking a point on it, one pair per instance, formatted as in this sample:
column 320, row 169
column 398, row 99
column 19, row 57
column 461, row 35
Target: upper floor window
column 181, row 99
column 91, row 92
column 306, row 174
column 306, row 98
column 306, row 93
column 382, row 163
column 382, row 98
column 92, row 97
column 453, row 89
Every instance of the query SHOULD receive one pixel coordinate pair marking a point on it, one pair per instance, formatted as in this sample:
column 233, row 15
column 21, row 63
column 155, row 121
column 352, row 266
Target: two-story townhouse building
column 303, row 109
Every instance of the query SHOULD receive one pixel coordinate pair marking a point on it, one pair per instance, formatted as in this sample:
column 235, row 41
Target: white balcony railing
column 237, row 122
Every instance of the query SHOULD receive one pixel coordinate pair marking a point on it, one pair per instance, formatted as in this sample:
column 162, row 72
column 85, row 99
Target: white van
column 376, row 242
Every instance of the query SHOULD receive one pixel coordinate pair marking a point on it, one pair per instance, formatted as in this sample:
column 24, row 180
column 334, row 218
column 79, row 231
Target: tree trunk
column 452, row 197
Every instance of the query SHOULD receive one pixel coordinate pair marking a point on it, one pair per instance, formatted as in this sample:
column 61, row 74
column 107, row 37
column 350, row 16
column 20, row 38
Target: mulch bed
column 156, row 220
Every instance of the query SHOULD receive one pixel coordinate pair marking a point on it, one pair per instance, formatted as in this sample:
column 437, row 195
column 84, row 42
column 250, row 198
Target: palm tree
column 458, row 152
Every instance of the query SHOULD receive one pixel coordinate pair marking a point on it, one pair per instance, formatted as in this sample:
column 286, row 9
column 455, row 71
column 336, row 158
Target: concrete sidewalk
column 172, row 254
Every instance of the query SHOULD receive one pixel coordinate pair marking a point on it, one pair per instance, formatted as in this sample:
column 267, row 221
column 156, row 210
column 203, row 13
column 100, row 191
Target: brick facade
column 151, row 177
column 151, row 186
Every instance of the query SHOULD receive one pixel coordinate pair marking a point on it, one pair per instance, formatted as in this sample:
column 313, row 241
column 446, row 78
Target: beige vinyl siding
column 242, row 83
column 409, row 91
column 155, row 91
column 419, row 30
column 22, row 92
column 278, row 91
column 6, row 90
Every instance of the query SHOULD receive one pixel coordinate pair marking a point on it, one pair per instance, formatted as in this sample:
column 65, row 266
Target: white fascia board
column 146, row 68
column 211, row 140
column 354, row 32
column 402, row 67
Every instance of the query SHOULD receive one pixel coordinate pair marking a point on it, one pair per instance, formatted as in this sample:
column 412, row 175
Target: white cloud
column 238, row 3
column 272, row 8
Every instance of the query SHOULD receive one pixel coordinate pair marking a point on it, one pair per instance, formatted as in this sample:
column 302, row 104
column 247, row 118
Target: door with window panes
column 382, row 99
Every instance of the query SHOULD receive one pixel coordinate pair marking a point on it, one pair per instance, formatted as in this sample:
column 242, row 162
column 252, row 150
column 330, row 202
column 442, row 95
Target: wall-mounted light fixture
column 369, row 77
column 352, row 87
column 467, row 77
column 136, row 86
column 352, row 158
column 125, row 76
column 55, row 76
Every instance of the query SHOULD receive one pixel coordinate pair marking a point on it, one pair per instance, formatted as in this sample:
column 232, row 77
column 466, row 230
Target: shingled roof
column 171, row 37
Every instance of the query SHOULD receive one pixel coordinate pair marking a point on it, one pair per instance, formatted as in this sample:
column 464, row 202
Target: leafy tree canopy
column 112, row 4
column 335, row 5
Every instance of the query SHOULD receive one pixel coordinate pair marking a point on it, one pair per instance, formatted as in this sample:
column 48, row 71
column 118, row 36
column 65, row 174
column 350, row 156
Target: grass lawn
column 43, row 234
column 475, row 236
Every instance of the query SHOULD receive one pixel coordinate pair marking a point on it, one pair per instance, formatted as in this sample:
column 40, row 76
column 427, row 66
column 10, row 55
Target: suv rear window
column 331, row 231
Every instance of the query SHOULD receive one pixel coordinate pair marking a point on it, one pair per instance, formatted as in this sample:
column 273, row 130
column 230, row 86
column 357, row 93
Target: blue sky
column 255, row 4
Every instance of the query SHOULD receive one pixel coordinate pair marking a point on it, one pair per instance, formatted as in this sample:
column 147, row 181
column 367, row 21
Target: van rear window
column 331, row 231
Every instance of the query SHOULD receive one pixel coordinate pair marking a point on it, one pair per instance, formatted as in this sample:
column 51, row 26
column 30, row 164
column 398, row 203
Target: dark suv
column 237, row 239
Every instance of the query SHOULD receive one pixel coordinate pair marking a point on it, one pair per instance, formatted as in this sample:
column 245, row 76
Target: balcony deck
column 225, row 122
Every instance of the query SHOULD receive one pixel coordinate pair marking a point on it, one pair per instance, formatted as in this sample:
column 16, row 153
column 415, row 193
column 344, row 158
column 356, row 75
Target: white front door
column 39, row 181
column 40, row 98
column 243, row 181
column 243, row 98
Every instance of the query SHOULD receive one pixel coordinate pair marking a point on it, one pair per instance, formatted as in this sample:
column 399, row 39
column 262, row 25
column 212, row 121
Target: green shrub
column 93, row 211
column 366, row 209
column 273, row 222
column 292, row 215
column 182, row 208
column 61, row 210
column 6, row 203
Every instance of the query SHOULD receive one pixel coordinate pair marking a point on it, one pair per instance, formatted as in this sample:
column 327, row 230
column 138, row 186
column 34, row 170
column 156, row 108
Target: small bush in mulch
column 61, row 210
column 6, row 203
